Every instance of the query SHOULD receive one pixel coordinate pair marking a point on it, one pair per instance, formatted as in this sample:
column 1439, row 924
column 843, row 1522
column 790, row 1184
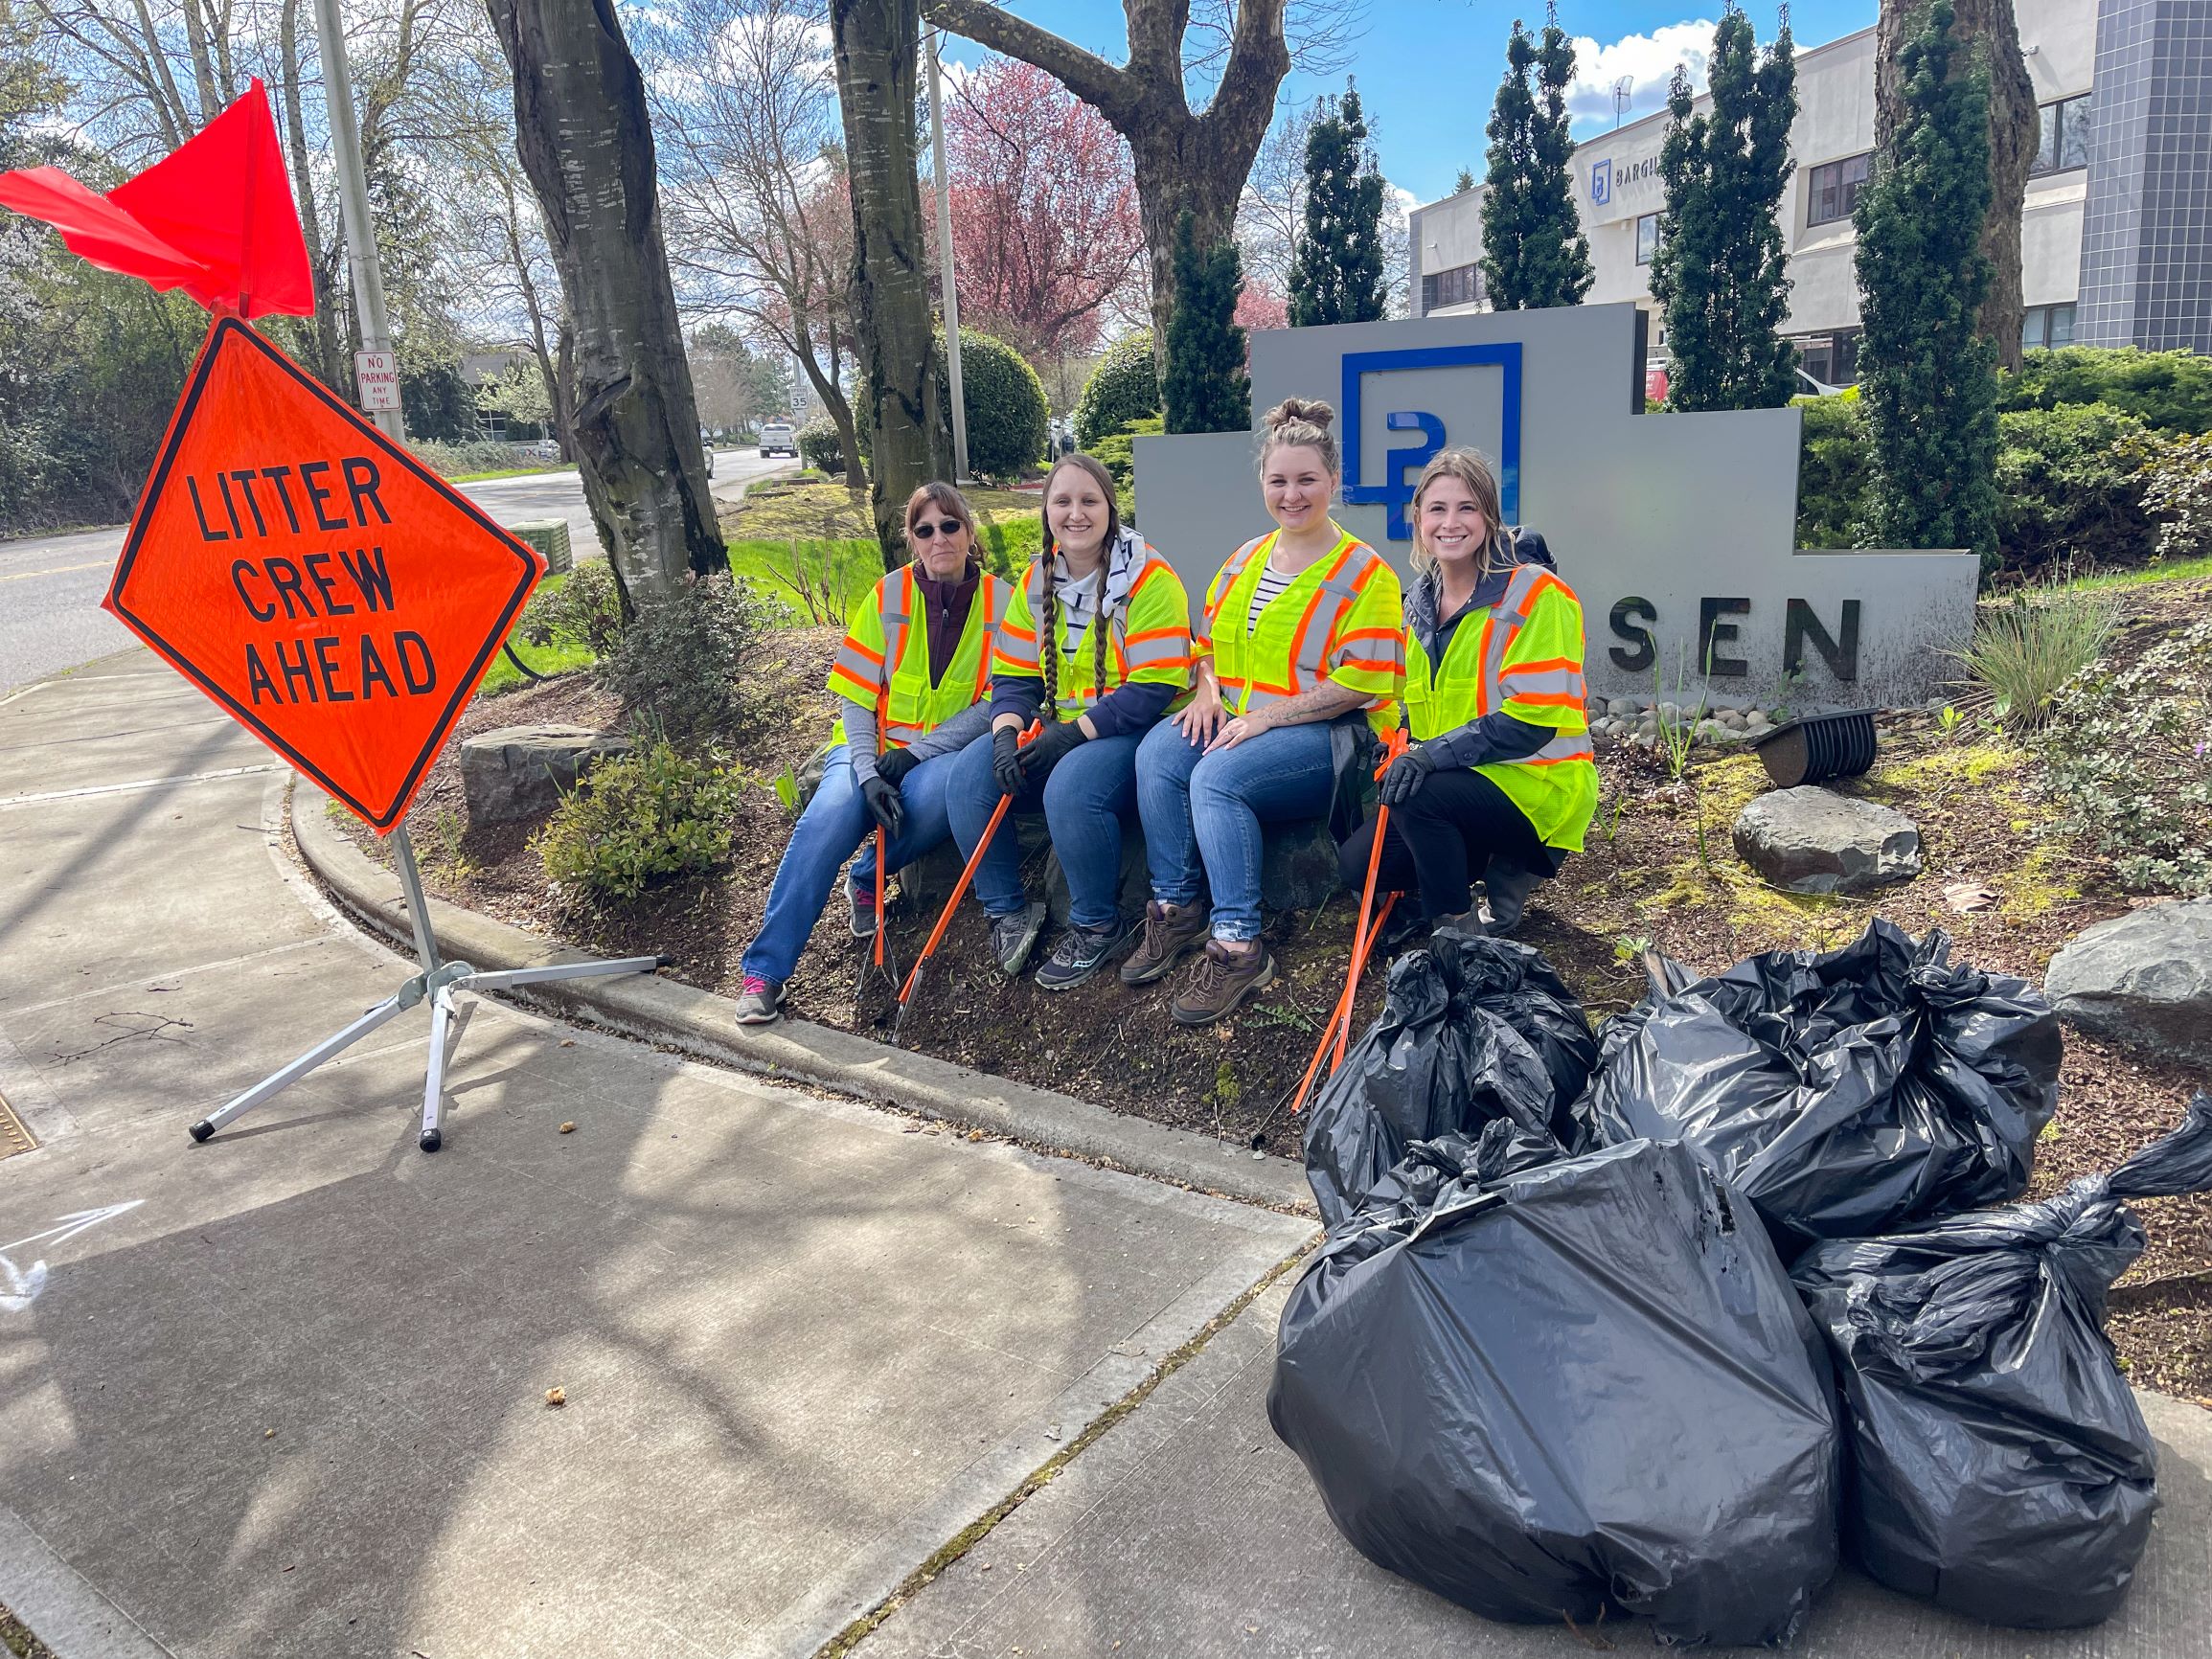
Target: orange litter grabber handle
column 967, row 873
column 1341, row 1014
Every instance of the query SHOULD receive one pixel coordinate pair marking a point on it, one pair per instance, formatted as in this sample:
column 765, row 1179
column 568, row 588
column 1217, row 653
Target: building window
column 2064, row 143
column 1832, row 359
column 1460, row 286
column 1833, row 190
column 2048, row 326
column 1647, row 237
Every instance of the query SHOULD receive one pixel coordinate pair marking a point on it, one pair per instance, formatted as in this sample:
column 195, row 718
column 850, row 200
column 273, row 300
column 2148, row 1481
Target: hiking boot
column 1222, row 980
column 1170, row 933
column 1081, row 951
column 863, row 912
column 759, row 1001
column 1506, row 884
column 1014, row 937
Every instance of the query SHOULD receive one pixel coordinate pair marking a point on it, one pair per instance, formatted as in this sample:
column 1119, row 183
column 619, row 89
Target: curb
column 701, row 1024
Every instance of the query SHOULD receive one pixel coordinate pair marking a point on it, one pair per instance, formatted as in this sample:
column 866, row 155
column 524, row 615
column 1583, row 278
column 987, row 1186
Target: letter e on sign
column 345, row 603
column 378, row 374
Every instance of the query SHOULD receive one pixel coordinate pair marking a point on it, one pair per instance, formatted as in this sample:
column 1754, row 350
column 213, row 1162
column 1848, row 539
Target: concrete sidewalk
column 293, row 1402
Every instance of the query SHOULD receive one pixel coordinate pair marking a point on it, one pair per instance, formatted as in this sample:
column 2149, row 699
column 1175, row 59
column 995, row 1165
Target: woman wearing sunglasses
column 914, row 673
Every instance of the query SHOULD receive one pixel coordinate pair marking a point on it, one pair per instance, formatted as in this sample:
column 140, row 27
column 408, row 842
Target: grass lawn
column 776, row 509
column 510, row 471
column 2179, row 570
column 555, row 657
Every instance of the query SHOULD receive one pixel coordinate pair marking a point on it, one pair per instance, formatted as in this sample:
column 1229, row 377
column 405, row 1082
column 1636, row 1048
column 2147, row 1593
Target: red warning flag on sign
column 339, row 598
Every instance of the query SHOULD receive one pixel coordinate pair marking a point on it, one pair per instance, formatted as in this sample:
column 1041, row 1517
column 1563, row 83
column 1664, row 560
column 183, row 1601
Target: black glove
column 1406, row 775
column 1057, row 739
column 893, row 764
column 1005, row 760
column 884, row 804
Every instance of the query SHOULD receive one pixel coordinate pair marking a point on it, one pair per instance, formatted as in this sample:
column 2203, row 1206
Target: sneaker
column 863, row 912
column 1014, row 937
column 1506, row 884
column 1081, row 951
column 1170, row 933
column 759, row 1001
column 1222, row 980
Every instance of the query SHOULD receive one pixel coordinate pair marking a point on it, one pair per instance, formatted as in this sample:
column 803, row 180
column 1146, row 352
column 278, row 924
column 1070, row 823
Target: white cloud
column 1648, row 61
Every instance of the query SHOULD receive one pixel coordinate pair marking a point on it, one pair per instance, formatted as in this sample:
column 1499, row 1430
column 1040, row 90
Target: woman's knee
column 1165, row 757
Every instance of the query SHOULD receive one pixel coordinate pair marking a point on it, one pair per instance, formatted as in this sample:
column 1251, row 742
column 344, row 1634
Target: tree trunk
column 878, row 44
column 329, row 366
column 584, row 137
column 2014, row 132
column 1169, row 182
column 834, row 402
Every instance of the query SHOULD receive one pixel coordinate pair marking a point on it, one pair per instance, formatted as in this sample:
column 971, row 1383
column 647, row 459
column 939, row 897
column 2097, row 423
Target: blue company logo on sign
column 1602, row 181
column 1401, row 465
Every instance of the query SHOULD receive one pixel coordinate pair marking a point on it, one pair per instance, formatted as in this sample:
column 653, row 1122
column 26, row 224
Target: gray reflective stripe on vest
column 1540, row 682
column 896, row 622
column 1506, row 620
column 1313, row 649
column 1566, row 747
column 1230, row 574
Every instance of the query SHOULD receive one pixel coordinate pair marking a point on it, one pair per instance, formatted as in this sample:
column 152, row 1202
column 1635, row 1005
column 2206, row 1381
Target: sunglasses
column 925, row 532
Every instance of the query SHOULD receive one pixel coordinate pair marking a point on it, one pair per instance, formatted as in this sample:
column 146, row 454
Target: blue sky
column 1427, row 69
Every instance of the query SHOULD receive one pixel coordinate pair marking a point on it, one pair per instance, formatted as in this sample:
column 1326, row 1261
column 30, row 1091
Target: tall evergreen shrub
column 1926, row 381
column 1206, row 389
column 1720, row 273
column 1336, row 274
column 1534, row 250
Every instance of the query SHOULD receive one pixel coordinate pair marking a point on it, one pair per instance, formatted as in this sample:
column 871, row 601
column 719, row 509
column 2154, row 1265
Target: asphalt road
column 51, row 585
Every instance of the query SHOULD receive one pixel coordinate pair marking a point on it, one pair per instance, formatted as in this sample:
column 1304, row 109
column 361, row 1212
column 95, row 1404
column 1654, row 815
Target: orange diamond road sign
column 339, row 598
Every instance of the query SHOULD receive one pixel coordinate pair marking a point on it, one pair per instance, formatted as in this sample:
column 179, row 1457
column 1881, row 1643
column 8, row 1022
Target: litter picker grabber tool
column 877, row 967
column 959, row 888
column 1339, row 1026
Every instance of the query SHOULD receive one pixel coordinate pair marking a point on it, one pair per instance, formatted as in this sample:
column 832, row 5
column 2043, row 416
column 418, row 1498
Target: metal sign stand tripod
column 440, row 981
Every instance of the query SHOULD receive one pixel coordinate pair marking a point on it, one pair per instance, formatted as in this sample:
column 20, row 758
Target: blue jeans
column 835, row 821
column 1085, row 799
column 1202, row 813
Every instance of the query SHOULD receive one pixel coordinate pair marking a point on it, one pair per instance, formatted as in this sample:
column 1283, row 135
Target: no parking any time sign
column 336, row 596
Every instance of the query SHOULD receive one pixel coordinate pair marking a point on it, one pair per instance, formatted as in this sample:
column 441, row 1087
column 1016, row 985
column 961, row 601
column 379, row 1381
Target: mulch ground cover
column 1658, row 873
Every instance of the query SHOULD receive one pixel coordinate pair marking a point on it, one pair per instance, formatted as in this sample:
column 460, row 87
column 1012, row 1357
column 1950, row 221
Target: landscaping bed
column 1659, row 872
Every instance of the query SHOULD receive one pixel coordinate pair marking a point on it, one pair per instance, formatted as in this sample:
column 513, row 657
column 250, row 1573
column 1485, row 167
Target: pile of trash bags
column 1654, row 1326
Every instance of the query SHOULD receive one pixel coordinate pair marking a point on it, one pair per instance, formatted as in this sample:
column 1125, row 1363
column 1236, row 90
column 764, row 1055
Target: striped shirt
column 1272, row 582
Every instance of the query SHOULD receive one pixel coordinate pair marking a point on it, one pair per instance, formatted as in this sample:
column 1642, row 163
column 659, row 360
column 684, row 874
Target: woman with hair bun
column 1501, row 781
column 1299, row 641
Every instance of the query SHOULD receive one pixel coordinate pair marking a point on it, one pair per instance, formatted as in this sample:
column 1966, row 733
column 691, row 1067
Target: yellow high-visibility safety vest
column 1523, row 656
column 883, row 662
column 1337, row 620
column 1149, row 642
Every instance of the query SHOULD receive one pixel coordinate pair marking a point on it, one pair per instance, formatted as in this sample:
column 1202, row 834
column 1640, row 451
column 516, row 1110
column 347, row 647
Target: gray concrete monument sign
column 1677, row 531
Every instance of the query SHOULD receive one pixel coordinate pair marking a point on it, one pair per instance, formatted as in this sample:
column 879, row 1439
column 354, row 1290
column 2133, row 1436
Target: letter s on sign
column 1647, row 650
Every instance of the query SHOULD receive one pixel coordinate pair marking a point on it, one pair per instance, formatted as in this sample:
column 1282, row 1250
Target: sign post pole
column 360, row 235
column 439, row 982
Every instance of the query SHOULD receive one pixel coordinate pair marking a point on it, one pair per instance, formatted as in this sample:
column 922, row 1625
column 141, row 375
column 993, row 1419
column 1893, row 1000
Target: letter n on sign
column 355, row 597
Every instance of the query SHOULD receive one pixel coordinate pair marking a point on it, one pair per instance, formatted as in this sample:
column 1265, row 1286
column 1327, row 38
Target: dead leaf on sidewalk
column 568, row 1128
column 557, row 1396
column 1967, row 897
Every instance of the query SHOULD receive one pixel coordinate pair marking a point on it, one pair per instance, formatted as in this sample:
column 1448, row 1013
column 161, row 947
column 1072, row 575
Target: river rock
column 2144, row 977
column 1813, row 840
column 517, row 772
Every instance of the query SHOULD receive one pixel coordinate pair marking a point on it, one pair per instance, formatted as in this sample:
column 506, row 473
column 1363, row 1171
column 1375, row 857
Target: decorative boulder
column 1298, row 869
column 515, row 772
column 1812, row 840
column 2145, row 977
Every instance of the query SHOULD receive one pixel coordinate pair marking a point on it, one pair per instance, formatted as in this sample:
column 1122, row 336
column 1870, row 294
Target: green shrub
column 640, row 818
column 2178, row 487
column 473, row 455
column 1123, row 388
column 1116, row 451
column 1834, row 459
column 2128, row 757
column 2070, row 486
column 2024, row 652
column 580, row 608
column 818, row 446
column 679, row 666
column 1008, row 419
column 2167, row 391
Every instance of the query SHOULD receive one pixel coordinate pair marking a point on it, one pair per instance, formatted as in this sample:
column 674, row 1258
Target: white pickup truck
column 777, row 437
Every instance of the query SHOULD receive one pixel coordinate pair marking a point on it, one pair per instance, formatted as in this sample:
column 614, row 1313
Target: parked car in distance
column 779, row 437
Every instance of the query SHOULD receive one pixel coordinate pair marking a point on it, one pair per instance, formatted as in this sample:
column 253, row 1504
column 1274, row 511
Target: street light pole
column 945, row 262
column 353, row 191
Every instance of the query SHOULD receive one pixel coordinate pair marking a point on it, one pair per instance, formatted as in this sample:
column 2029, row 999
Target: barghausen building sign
column 1678, row 531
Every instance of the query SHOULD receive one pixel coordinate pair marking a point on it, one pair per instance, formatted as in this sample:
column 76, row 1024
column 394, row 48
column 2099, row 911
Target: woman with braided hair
column 1096, row 644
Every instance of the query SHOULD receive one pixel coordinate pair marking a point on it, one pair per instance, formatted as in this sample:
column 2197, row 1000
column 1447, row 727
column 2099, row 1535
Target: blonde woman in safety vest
column 1499, row 781
column 913, row 673
column 1096, row 643
column 1299, row 641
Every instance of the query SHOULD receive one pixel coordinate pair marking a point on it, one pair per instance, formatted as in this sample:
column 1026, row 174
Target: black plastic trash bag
column 1999, row 1464
column 1472, row 1029
column 1584, row 1387
column 1845, row 1094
